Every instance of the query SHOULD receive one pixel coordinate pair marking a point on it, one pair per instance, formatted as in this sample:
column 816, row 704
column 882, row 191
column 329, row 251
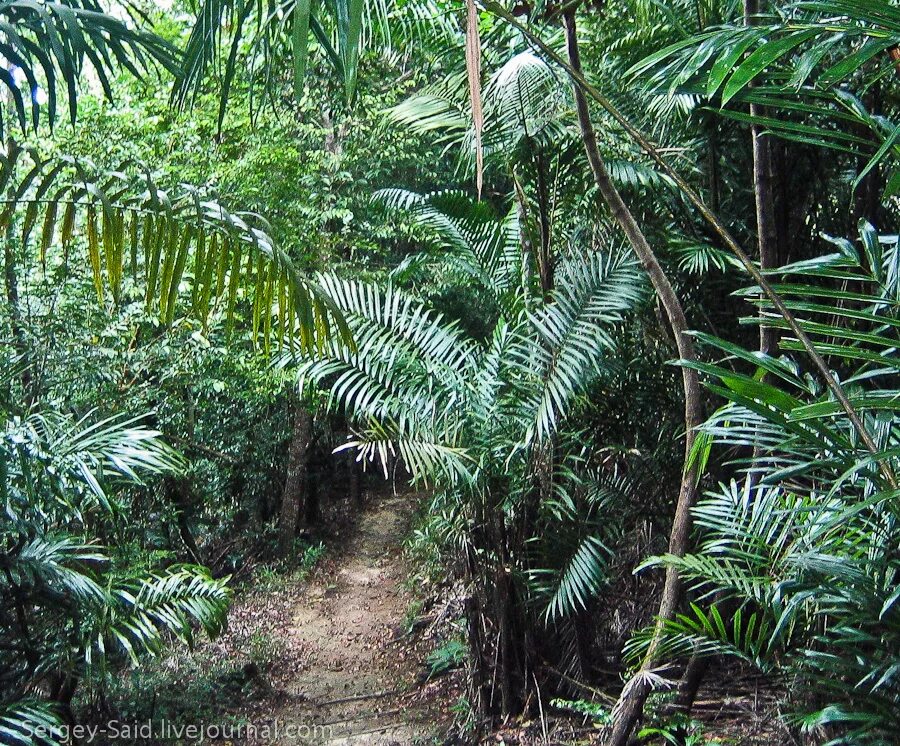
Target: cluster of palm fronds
column 67, row 615
column 795, row 64
column 798, row 570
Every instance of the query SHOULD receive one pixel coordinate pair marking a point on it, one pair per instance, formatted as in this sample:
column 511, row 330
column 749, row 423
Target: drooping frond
column 135, row 229
column 144, row 610
column 632, row 173
column 706, row 632
column 263, row 35
column 52, row 45
column 429, row 456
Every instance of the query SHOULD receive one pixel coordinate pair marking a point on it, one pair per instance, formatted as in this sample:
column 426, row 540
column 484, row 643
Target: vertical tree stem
column 634, row 696
column 766, row 231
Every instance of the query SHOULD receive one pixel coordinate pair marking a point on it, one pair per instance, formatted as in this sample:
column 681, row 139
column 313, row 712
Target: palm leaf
column 171, row 238
column 52, row 44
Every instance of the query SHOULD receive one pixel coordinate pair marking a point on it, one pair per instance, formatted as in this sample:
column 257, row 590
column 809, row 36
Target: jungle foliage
column 251, row 248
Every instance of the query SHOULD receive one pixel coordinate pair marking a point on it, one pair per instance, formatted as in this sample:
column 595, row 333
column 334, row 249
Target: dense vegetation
column 614, row 285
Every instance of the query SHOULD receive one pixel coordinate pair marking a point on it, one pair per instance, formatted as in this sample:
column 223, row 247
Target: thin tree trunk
column 712, row 160
column 294, row 483
column 767, row 242
column 631, row 703
column 178, row 490
column 546, row 258
column 526, row 240
column 311, row 506
column 766, row 226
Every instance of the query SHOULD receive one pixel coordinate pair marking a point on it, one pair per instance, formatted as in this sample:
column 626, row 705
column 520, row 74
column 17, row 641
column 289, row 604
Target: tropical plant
column 794, row 64
column 71, row 614
column 274, row 36
column 49, row 45
column 135, row 228
column 797, row 570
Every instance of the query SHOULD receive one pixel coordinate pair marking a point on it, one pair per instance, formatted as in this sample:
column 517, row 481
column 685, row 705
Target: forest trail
column 355, row 683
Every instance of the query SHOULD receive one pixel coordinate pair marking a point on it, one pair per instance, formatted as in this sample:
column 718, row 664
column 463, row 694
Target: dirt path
column 355, row 682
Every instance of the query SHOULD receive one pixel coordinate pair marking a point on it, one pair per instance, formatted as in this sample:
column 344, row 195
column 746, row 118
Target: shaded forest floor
column 335, row 652
column 352, row 673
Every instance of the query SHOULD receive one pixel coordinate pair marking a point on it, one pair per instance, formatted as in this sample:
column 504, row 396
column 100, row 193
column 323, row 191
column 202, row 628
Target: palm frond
column 135, row 229
column 29, row 722
column 73, row 459
column 470, row 243
column 58, row 564
column 427, row 457
column 144, row 610
column 793, row 63
column 262, row 35
column 592, row 296
column 579, row 579
column 49, row 45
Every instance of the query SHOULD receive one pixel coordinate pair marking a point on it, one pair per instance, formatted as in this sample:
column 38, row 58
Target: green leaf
column 761, row 59
column 300, row 42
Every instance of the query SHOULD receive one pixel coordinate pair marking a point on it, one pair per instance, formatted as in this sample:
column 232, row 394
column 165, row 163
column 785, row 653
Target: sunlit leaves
column 133, row 228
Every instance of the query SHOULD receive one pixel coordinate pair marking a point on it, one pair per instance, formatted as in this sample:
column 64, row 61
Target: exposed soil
column 341, row 664
column 350, row 674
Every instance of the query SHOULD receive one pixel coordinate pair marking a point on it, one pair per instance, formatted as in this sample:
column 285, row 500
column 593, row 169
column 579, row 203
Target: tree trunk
column 545, row 264
column 178, row 491
column 766, row 227
column 635, row 694
column 294, row 483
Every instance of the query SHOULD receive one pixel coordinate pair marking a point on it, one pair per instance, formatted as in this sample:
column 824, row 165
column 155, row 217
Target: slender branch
column 714, row 221
column 631, row 703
